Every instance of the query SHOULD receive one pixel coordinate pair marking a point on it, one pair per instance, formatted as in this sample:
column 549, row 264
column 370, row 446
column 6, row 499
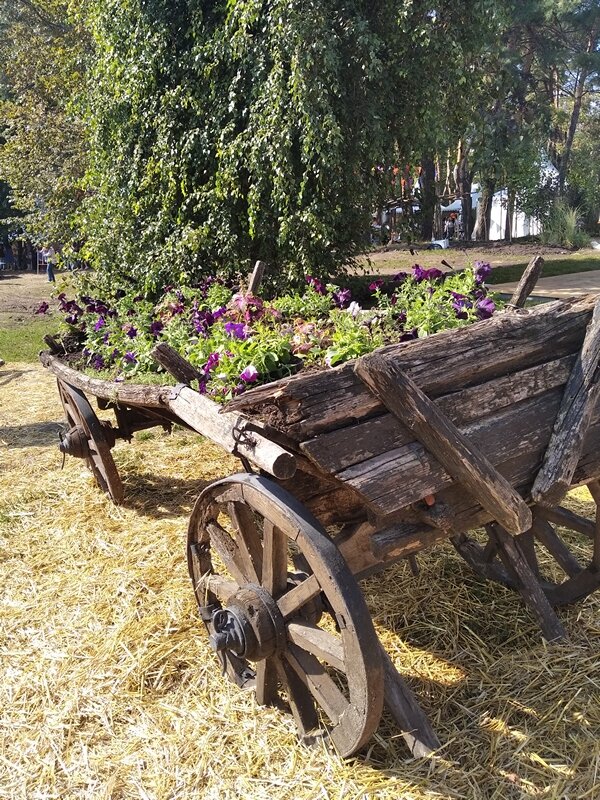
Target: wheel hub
column 74, row 443
column 250, row 627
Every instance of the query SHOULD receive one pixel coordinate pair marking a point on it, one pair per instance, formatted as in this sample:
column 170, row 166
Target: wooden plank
column 546, row 534
column 572, row 422
column 527, row 283
column 407, row 713
column 453, row 450
column 308, row 404
column 518, row 431
column 337, row 450
column 231, row 431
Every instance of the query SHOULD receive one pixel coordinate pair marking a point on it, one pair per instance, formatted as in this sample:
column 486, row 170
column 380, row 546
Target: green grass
column 23, row 342
column 558, row 266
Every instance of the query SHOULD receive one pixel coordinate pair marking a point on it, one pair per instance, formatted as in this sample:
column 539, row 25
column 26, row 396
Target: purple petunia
column 130, row 358
column 399, row 277
column 460, row 304
column 43, row 307
column 342, row 297
column 373, row 287
column 485, row 308
column 316, row 284
column 156, row 327
column 212, row 362
column 101, row 323
column 407, row 336
column 250, row 374
column 420, row 274
column 132, row 332
column 98, row 362
column 482, row 271
column 237, row 330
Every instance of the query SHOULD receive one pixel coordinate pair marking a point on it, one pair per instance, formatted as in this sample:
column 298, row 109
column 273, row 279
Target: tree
column 226, row 132
column 42, row 152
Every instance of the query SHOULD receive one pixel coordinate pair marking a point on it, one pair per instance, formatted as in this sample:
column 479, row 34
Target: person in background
column 49, row 255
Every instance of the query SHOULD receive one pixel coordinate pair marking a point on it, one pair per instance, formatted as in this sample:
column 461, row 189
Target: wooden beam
column 572, row 422
column 233, row 432
column 527, row 283
column 453, row 450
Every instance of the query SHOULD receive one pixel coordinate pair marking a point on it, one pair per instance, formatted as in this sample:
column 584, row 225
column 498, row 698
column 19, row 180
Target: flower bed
column 237, row 340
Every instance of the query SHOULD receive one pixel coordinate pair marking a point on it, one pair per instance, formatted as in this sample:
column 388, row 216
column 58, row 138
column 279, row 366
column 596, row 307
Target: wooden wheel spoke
column 274, row 564
column 228, row 551
column 291, row 602
column 266, row 681
column 313, row 674
column 250, row 555
column 556, row 547
column 322, row 644
column 300, row 699
column 220, row 587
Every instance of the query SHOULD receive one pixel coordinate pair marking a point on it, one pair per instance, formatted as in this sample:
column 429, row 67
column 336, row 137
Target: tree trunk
column 566, row 153
column 428, row 197
column 484, row 210
column 510, row 211
column 463, row 178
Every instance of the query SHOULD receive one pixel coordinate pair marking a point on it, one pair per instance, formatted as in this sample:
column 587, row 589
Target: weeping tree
column 227, row 132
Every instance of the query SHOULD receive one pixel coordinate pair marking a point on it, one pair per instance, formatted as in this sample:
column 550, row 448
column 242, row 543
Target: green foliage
column 563, row 227
column 226, row 132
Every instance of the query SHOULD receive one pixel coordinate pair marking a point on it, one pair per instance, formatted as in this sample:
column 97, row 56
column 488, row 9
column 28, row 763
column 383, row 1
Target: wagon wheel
column 284, row 598
column 88, row 439
column 563, row 578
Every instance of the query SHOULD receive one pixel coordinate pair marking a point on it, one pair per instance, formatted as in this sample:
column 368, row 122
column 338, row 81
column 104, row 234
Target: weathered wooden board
column 313, row 403
column 335, row 451
column 438, row 434
column 399, row 477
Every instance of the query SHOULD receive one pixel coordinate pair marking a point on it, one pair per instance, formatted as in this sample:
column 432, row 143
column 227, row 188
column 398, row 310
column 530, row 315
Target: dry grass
column 109, row 689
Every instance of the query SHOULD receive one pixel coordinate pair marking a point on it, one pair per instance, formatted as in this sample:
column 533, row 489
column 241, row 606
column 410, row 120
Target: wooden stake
column 527, row 283
column 257, row 276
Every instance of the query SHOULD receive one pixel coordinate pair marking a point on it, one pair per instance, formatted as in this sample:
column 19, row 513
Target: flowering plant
column 236, row 340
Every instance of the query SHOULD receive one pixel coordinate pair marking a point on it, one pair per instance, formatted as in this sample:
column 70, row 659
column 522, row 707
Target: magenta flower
column 100, row 324
column 250, row 374
column 43, row 307
column 376, row 285
column 420, row 274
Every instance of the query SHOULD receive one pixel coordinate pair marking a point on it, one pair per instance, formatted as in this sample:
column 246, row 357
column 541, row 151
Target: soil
column 21, row 294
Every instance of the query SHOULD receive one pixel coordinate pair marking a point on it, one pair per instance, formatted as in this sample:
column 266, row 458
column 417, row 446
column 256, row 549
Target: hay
column 109, row 689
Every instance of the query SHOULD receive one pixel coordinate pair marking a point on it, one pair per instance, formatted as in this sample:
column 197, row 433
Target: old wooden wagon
column 351, row 469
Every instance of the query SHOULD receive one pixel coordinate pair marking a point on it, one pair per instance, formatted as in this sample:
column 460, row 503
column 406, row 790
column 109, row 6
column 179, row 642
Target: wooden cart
column 351, row 469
